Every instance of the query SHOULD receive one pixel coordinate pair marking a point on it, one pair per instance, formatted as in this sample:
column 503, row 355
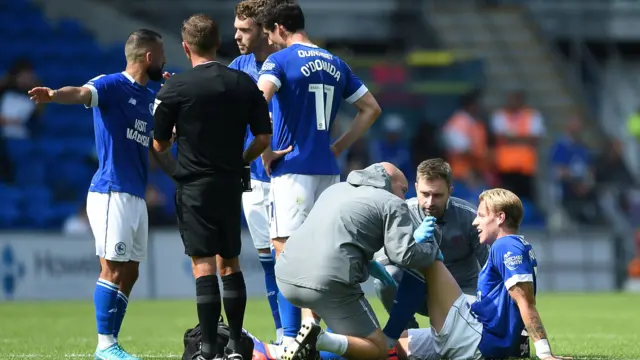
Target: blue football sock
column 266, row 260
column 290, row 317
column 121, row 304
column 104, row 300
column 325, row 355
column 410, row 296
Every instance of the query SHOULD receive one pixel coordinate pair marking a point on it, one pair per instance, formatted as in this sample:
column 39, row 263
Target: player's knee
column 266, row 251
column 131, row 272
column 203, row 266
column 379, row 345
column 112, row 271
column 278, row 245
column 228, row 266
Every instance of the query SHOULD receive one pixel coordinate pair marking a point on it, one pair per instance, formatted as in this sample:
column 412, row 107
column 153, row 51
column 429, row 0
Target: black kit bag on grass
column 193, row 340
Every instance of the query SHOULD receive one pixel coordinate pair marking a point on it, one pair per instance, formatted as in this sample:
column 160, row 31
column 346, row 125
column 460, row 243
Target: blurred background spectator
column 574, row 170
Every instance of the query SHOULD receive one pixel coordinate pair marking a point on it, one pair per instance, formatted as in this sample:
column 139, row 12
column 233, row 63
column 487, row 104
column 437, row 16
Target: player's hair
column 138, row 43
column 501, row 200
column 433, row 169
column 250, row 9
column 288, row 14
column 200, row 32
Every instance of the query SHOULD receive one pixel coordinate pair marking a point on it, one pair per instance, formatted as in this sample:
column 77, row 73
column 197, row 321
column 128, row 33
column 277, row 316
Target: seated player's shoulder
column 509, row 244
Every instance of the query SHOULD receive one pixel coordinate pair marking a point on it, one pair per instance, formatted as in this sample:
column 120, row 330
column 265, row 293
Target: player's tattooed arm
column 522, row 293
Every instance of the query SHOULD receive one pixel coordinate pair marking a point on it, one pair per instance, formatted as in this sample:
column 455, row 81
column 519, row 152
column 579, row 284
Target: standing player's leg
column 112, row 230
column 255, row 206
column 230, row 245
column 291, row 199
column 132, row 268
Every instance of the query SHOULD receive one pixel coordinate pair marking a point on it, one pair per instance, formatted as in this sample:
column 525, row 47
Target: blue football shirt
column 511, row 261
column 311, row 84
column 123, row 124
column 249, row 65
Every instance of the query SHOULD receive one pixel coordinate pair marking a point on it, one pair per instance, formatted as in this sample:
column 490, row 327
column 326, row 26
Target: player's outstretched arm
column 68, row 95
column 368, row 112
column 522, row 293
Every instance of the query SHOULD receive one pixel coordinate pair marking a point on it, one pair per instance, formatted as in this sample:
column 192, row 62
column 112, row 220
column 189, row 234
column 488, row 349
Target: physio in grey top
column 464, row 256
column 329, row 256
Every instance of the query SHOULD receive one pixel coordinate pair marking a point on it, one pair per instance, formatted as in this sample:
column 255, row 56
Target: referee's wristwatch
column 246, row 178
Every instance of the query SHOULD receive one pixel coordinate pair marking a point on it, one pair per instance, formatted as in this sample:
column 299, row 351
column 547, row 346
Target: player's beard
column 155, row 74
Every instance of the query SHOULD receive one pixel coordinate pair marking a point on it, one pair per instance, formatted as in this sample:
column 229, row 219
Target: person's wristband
column 543, row 350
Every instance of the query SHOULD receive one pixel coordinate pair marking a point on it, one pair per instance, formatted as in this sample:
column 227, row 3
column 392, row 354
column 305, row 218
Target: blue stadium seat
column 9, row 206
column 21, row 150
column 10, row 195
column 59, row 212
column 37, row 215
column 36, row 194
column 51, row 148
column 79, row 147
column 9, row 217
column 31, row 172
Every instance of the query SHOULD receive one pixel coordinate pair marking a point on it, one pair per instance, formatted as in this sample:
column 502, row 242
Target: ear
column 186, row 49
column 416, row 186
column 450, row 189
column 501, row 217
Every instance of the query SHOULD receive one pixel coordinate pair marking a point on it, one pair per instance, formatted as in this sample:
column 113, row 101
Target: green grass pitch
column 590, row 326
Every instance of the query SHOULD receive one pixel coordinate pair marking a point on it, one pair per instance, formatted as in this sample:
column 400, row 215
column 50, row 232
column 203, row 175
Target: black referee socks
column 208, row 301
column 235, row 301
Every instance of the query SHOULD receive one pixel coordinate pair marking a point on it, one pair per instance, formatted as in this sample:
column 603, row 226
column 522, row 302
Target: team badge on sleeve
column 512, row 261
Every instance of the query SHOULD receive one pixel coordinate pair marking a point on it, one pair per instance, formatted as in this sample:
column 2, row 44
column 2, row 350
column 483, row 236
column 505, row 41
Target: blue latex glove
column 425, row 231
column 378, row 271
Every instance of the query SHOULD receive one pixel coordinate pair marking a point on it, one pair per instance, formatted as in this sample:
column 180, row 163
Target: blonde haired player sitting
column 490, row 327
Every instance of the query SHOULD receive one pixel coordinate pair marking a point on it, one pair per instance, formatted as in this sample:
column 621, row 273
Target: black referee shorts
column 209, row 214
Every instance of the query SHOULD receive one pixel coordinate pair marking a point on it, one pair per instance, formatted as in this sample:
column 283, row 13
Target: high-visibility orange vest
column 462, row 164
column 517, row 158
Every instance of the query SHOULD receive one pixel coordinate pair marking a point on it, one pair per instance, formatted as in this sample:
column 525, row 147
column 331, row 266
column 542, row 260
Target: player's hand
column 379, row 272
column 166, row 75
column 42, row 95
column 335, row 151
column 269, row 156
column 426, row 229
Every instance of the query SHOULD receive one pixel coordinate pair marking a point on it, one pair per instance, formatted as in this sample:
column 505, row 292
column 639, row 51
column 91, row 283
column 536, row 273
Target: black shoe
column 231, row 355
column 304, row 346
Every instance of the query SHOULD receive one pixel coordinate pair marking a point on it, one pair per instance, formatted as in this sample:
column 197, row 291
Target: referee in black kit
column 210, row 106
